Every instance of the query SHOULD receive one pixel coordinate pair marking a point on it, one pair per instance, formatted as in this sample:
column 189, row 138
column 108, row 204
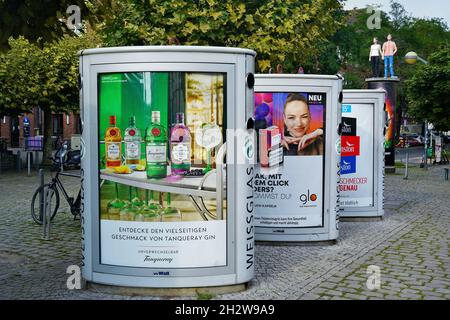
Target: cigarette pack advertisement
column 289, row 178
column 270, row 151
column 356, row 182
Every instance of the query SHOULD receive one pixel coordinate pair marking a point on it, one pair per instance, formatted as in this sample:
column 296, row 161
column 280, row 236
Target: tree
column 35, row 19
column 428, row 91
column 399, row 16
column 352, row 43
column 288, row 32
column 349, row 47
column 46, row 77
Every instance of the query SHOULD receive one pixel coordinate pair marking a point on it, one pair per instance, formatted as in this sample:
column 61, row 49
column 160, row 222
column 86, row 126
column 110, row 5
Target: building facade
column 64, row 126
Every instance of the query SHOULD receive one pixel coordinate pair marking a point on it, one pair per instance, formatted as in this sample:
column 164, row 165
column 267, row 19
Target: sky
column 416, row 8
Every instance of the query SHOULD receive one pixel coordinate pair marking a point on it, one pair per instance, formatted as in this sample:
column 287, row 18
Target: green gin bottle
column 156, row 148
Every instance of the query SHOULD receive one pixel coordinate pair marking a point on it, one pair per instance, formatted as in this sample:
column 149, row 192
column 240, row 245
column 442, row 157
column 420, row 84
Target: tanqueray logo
column 308, row 197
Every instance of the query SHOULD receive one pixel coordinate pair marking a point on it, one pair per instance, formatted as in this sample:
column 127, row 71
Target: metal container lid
column 297, row 76
column 128, row 49
column 364, row 90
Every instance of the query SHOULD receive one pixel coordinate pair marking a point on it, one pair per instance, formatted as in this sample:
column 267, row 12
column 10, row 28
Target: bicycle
column 37, row 202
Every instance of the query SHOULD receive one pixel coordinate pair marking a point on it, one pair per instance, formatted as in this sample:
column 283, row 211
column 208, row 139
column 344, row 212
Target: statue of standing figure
column 374, row 57
column 389, row 51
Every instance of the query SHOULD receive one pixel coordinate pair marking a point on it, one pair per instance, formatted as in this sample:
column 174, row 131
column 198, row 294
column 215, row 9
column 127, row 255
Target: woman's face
column 297, row 118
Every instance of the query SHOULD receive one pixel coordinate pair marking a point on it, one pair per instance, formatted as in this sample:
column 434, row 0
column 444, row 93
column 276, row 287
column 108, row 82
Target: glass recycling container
column 297, row 120
column 362, row 173
column 168, row 165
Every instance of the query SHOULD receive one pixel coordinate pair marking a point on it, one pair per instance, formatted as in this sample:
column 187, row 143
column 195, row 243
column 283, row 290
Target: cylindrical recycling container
column 297, row 120
column 167, row 168
column 362, row 154
column 389, row 85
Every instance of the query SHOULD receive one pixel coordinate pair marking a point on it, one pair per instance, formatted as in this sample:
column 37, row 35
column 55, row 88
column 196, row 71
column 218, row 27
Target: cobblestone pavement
column 410, row 247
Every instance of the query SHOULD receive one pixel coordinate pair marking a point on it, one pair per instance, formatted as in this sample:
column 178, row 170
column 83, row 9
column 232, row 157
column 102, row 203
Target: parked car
column 417, row 137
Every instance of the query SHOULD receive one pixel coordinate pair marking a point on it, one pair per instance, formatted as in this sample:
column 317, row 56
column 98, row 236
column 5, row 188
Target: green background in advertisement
column 131, row 94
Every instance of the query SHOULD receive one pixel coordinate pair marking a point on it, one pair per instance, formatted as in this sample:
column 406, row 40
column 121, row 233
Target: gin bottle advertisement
column 147, row 215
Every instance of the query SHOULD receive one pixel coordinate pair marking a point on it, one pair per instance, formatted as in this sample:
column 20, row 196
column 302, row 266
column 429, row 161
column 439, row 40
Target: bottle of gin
column 180, row 146
column 113, row 144
column 156, row 148
column 132, row 144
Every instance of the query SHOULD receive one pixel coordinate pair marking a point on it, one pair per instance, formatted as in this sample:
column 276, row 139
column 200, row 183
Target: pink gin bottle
column 180, row 146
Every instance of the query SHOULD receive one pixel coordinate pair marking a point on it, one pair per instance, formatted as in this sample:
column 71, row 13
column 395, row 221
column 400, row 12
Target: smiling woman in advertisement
column 297, row 119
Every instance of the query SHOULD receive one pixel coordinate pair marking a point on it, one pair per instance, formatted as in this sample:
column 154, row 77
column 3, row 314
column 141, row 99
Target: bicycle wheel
column 37, row 203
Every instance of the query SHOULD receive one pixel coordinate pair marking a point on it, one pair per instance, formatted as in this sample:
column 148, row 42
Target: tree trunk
column 48, row 147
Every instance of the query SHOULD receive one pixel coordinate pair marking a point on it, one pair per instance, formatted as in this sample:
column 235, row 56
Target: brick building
column 64, row 126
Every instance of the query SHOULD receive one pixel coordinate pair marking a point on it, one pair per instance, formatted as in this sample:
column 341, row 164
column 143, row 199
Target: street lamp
column 412, row 58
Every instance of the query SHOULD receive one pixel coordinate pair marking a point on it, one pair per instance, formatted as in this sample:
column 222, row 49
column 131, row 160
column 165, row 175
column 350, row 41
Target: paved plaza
column 410, row 247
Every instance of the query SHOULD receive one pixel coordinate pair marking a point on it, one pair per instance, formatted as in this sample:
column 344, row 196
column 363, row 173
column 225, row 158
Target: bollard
column 29, row 163
column 44, row 214
column 406, row 164
column 18, row 161
column 36, row 159
column 446, row 174
column 41, row 194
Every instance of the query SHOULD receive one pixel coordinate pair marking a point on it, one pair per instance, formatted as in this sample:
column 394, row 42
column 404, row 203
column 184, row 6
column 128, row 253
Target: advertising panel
column 357, row 156
column 390, row 87
column 438, row 149
column 289, row 181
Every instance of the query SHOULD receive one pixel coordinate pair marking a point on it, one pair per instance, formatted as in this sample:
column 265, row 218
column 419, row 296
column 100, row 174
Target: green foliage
column 353, row 41
column 285, row 32
column 428, row 91
column 46, row 77
column 204, row 295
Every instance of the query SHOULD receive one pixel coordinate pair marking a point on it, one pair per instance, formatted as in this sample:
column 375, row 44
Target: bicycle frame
column 58, row 182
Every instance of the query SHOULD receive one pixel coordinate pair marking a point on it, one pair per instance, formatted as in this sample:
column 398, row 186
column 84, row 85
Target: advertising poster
column 159, row 133
column 390, row 108
column 289, row 178
column 357, row 176
column 438, row 148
